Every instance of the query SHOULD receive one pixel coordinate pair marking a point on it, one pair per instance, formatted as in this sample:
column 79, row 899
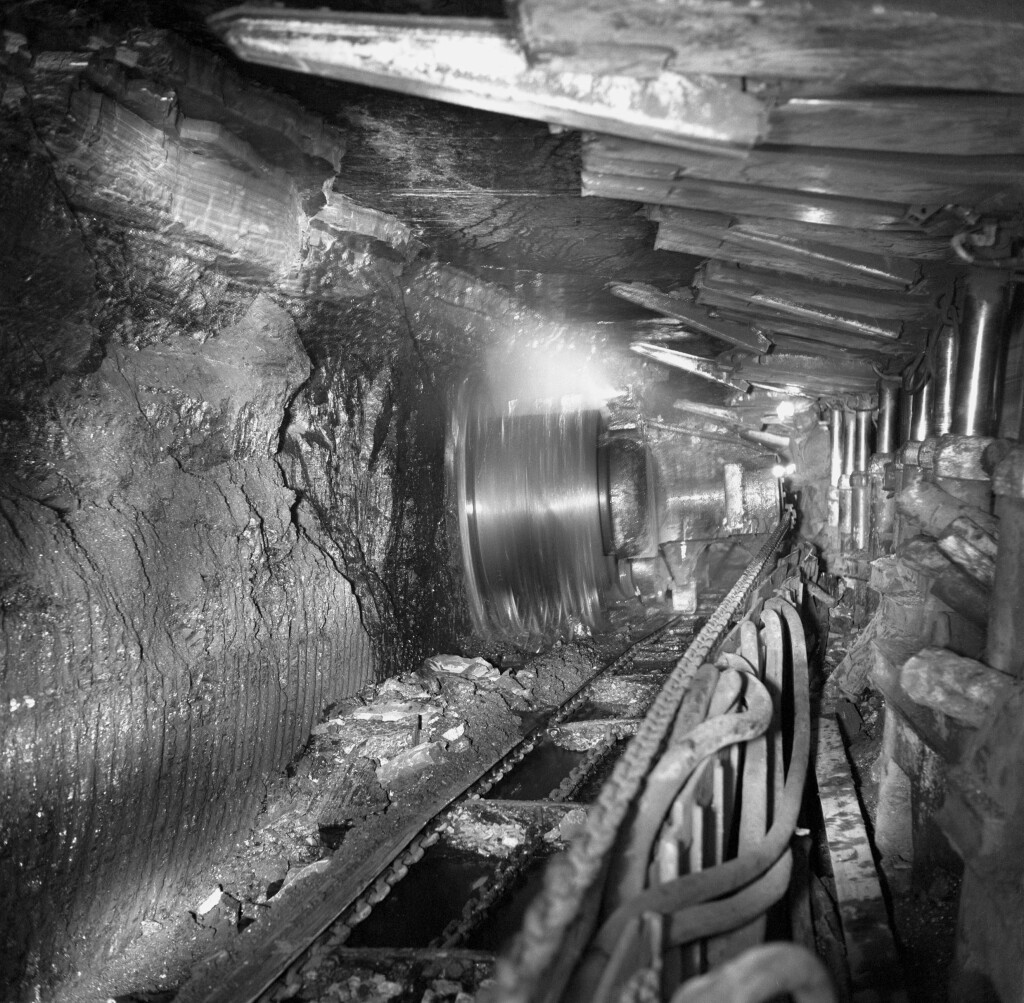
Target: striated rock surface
column 176, row 611
column 231, row 328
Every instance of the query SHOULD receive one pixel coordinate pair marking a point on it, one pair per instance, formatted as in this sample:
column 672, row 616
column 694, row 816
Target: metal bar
column 859, row 481
column 980, row 364
column 921, row 411
column 845, row 487
column 906, row 412
column 945, row 379
column 863, row 440
column 835, row 432
column 887, row 429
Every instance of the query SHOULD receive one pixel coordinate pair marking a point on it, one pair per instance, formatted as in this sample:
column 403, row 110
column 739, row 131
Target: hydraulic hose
column 761, row 974
column 679, row 761
column 671, row 896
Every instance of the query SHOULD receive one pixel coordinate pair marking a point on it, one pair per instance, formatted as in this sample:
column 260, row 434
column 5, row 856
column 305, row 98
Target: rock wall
column 231, row 329
column 207, row 391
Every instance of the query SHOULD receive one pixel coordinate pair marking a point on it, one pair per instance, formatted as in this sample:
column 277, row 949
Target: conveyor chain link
column 508, row 872
column 491, row 891
column 572, row 783
column 569, row 876
column 361, row 907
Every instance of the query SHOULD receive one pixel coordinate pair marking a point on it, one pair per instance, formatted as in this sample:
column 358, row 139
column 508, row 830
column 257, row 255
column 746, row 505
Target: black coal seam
column 241, row 766
column 293, row 696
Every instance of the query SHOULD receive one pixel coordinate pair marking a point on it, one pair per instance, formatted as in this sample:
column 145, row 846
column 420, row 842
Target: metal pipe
column 862, row 430
column 835, row 462
column 883, row 468
column 886, row 428
column 849, row 442
column 906, row 416
column 859, row 480
column 881, row 476
column 982, row 355
column 835, row 431
column 945, row 380
column 921, row 411
column 845, row 493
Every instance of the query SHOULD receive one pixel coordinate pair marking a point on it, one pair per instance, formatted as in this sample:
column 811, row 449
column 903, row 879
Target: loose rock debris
column 453, row 977
column 363, row 773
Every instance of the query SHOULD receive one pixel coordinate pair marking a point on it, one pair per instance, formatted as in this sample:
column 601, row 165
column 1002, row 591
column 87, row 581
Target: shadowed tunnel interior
column 497, row 333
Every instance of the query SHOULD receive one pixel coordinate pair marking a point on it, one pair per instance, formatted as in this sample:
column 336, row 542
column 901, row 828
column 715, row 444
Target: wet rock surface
column 222, row 427
column 331, row 810
column 175, row 614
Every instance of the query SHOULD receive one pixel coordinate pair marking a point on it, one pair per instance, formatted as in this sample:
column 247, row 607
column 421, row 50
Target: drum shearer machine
column 562, row 515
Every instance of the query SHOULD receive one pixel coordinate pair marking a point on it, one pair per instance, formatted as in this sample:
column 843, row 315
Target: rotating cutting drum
column 529, row 524
column 561, row 516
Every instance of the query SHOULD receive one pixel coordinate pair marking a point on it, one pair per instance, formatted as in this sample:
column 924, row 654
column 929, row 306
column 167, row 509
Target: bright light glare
column 566, row 375
column 783, row 470
column 786, row 409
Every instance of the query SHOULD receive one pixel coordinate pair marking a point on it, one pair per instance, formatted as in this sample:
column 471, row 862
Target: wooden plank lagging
column 774, row 324
column 769, row 246
column 809, row 261
column 811, row 373
column 750, row 200
column 767, row 306
column 872, row 958
column 479, row 63
column 818, row 260
column 895, row 304
column 955, row 124
column 887, row 242
column 694, row 317
column 826, row 347
column 889, row 177
column 936, row 44
column 685, row 243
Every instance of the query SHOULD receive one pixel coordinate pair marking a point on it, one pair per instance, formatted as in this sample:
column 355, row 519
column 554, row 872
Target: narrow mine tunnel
column 512, row 503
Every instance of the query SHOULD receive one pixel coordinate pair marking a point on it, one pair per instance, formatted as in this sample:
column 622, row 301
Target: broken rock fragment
column 479, row 670
column 961, row 688
column 410, row 762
